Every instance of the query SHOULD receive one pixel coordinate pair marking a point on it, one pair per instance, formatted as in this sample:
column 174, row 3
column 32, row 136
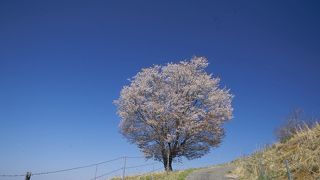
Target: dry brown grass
column 302, row 152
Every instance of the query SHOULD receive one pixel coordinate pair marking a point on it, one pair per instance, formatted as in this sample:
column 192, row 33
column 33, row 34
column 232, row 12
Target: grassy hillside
column 302, row 152
column 175, row 175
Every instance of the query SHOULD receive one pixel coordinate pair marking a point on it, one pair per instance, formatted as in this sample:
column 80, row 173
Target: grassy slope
column 175, row 175
column 302, row 153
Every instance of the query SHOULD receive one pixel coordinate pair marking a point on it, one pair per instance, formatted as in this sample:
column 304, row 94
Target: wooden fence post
column 152, row 172
column 288, row 170
column 95, row 174
column 124, row 168
column 28, row 176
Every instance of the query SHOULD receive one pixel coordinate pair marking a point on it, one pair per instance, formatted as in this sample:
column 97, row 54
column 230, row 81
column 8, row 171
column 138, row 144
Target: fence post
column 152, row 172
column 124, row 167
column 288, row 170
column 261, row 169
column 28, row 176
column 95, row 174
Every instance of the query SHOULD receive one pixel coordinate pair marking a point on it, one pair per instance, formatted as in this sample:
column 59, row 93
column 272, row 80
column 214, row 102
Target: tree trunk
column 170, row 164
column 167, row 162
column 166, row 167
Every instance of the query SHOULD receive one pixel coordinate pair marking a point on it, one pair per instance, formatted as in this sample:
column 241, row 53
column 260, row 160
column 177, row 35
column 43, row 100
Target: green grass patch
column 174, row 175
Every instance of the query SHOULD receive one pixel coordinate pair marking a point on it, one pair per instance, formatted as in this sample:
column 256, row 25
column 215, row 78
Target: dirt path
column 213, row 173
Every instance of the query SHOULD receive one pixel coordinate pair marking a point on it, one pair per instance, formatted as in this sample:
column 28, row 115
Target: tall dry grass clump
column 302, row 153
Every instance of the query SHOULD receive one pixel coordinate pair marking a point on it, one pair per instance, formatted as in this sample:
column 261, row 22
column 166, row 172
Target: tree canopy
column 173, row 111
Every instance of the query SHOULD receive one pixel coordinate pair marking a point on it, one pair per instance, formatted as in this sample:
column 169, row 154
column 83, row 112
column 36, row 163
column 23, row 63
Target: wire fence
column 123, row 169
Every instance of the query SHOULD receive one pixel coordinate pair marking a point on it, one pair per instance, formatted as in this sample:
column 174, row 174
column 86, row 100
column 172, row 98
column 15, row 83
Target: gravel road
column 213, row 173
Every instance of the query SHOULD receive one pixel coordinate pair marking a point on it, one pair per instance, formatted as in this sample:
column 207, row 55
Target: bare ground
column 213, row 173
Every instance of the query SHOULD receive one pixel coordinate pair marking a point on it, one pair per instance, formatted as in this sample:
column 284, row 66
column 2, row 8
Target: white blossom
column 174, row 111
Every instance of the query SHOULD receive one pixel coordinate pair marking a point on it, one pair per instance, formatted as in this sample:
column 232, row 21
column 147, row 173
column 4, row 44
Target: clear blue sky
column 62, row 63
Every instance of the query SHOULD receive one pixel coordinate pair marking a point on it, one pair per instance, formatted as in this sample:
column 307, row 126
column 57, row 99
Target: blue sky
column 62, row 63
